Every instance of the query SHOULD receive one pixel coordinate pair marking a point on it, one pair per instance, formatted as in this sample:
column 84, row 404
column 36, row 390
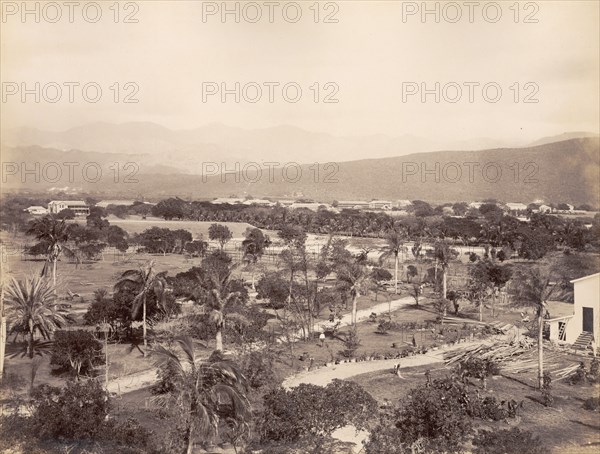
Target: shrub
column 76, row 351
column 507, row 441
column 592, row 404
column 351, row 343
column 257, row 367
column 438, row 412
column 76, row 411
column 311, row 412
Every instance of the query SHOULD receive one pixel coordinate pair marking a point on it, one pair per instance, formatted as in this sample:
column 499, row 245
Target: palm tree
column 145, row 280
column 443, row 255
column 206, row 393
column 533, row 288
column 356, row 276
column 221, row 297
column 395, row 244
column 54, row 233
column 31, row 307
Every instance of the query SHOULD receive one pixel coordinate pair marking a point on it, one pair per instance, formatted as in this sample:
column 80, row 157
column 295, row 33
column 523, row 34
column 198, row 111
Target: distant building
column 475, row 204
column 314, row 206
column 260, row 202
column 403, row 203
column 79, row 207
column 515, row 207
column 229, row 200
column 353, row 204
column 37, row 210
column 105, row 203
column 581, row 325
column 380, row 205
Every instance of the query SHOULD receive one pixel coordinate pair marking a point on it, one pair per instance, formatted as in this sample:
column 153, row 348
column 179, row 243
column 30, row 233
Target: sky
column 538, row 62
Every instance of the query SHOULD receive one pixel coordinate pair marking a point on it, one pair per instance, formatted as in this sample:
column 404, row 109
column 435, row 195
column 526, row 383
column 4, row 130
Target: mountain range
column 553, row 170
column 187, row 148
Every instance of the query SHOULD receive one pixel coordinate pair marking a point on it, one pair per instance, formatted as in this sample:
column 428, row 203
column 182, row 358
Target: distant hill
column 566, row 171
column 187, row 148
column 563, row 136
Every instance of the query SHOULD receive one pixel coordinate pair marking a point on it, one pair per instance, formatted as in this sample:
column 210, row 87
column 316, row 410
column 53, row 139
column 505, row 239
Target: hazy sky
column 367, row 55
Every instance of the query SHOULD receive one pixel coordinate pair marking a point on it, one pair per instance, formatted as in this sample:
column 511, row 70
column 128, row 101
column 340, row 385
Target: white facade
column 79, row 207
column 380, row 205
column 37, row 210
column 586, row 313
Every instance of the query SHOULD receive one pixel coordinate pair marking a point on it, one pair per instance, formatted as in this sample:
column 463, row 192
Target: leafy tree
column 312, row 412
column 379, row 275
column 66, row 214
column 438, row 414
column 203, row 393
column 144, row 279
column 77, row 411
column 411, row 272
column 32, row 308
column 220, row 233
column 170, row 208
column 253, row 247
column 54, row 233
column 77, row 351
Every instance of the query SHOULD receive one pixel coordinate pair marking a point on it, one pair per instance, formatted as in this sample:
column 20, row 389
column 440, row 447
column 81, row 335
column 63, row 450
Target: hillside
column 566, row 171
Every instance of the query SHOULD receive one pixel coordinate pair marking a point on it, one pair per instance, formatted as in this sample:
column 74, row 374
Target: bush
column 257, row 367
column 592, row 404
column 311, row 412
column 76, row 411
column 76, row 351
column 351, row 343
column 513, row 441
column 439, row 413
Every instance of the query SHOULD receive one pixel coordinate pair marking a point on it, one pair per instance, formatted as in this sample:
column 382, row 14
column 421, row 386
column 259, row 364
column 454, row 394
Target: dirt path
column 325, row 375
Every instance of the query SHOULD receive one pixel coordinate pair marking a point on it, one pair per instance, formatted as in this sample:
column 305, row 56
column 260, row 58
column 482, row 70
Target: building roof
column 585, row 277
column 35, row 207
column 69, row 202
column 105, row 203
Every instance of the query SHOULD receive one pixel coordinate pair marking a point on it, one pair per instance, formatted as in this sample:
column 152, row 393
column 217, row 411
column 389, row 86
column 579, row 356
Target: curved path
column 343, row 371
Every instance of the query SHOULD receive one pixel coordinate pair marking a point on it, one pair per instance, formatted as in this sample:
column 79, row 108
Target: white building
column 229, row 200
column 314, row 206
column 581, row 327
column 516, row 206
column 380, row 205
column 37, row 210
column 79, row 207
column 353, row 204
column 105, row 203
column 259, row 202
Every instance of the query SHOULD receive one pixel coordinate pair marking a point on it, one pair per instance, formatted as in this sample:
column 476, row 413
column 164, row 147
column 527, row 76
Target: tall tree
column 443, row 255
column 32, row 308
column 357, row 278
column 253, row 248
column 220, row 233
column 202, row 393
column 394, row 246
column 533, row 288
column 144, row 280
column 53, row 233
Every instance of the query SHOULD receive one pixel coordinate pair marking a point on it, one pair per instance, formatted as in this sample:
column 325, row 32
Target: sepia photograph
column 300, row 227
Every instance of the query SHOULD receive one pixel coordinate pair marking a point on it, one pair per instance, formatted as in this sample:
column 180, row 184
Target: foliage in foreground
column 310, row 411
column 508, row 441
column 76, row 417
